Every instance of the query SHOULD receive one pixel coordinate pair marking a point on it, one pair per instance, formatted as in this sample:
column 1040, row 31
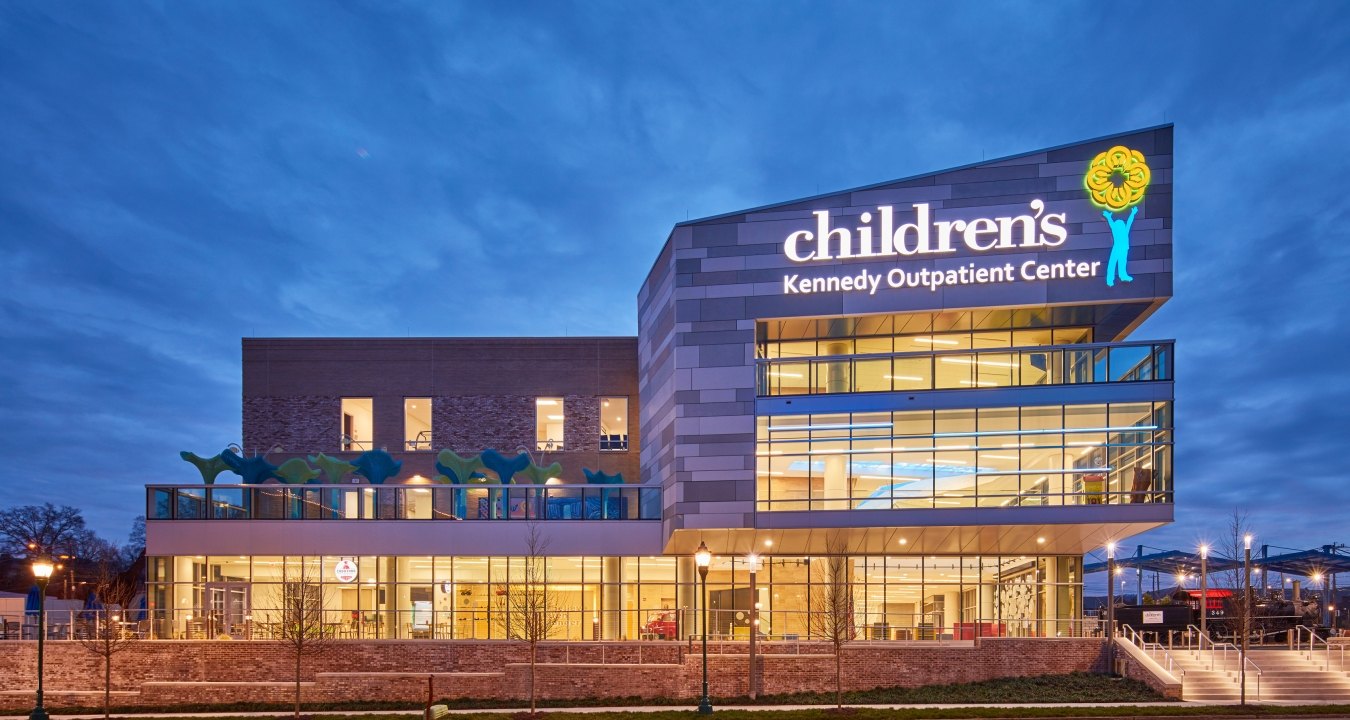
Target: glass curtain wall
column 617, row 598
column 987, row 457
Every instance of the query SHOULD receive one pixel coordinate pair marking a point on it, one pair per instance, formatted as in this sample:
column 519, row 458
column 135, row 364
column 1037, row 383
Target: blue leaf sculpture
column 252, row 471
column 208, row 467
column 598, row 477
column 503, row 466
column 376, row 466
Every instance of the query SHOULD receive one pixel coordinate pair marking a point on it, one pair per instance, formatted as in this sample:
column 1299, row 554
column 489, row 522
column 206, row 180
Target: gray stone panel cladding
column 715, row 277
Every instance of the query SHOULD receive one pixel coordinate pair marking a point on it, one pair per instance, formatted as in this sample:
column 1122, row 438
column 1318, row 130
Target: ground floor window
column 937, row 598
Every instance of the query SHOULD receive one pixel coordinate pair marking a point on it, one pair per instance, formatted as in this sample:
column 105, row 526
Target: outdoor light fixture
column 753, row 563
column 42, row 572
column 1246, row 613
column 703, row 559
column 1111, row 571
column 1204, row 590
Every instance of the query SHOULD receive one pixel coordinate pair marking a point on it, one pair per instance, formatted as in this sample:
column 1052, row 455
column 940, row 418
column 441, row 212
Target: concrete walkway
column 690, row 707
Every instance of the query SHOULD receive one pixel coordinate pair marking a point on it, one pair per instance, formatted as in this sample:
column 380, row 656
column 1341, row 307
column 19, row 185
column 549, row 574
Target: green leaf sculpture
column 540, row 475
column 208, row 467
column 296, row 472
column 459, row 470
column 334, row 469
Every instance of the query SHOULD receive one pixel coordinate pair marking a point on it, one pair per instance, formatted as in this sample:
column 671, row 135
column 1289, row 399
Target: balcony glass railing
column 962, row 369
column 402, row 502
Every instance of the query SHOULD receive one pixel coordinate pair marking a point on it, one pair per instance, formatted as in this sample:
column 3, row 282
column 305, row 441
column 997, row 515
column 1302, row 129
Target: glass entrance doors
column 229, row 610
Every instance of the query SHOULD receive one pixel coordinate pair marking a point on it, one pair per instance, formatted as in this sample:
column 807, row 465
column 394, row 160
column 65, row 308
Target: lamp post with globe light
column 42, row 572
column 1204, row 589
column 1111, row 605
column 752, row 563
column 1246, row 612
column 703, row 558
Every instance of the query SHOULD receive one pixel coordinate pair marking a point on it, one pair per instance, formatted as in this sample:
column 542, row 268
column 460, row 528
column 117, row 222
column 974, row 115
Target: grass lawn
column 1072, row 688
column 688, row 713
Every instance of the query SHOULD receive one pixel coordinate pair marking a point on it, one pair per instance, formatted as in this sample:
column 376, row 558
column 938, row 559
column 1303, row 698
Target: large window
column 991, row 457
column 358, row 425
column 937, row 598
column 417, row 423
column 919, row 332
column 614, row 423
column 548, row 423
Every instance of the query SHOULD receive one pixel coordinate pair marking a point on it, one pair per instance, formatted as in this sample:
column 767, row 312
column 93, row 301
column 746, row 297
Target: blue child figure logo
column 1116, row 180
column 1120, row 247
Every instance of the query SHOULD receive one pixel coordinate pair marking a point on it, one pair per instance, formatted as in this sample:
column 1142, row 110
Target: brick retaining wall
column 171, row 672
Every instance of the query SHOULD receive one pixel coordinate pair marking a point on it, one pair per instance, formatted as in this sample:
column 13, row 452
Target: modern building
column 929, row 379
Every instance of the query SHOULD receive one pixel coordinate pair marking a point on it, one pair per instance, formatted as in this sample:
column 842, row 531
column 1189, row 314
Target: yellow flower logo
column 1116, row 178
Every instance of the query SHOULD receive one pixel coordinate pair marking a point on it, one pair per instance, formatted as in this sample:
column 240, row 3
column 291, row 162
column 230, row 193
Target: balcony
column 1040, row 366
column 490, row 503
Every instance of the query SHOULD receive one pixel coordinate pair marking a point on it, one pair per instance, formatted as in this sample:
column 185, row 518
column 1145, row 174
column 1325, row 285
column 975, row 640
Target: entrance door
column 229, row 608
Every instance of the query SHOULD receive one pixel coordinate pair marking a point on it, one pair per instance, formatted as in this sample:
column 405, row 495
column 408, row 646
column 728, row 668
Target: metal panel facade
column 717, row 276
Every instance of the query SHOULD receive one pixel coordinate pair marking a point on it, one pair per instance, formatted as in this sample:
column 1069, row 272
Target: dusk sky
column 178, row 175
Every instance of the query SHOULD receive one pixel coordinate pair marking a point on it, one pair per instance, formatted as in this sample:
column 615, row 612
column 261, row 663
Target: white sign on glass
column 345, row 571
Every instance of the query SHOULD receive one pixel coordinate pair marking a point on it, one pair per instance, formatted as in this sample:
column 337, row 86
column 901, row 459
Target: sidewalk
column 690, row 707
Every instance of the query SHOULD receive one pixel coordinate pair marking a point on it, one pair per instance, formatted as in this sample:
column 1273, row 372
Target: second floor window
column 548, row 423
column 358, row 428
column 614, row 424
column 417, row 423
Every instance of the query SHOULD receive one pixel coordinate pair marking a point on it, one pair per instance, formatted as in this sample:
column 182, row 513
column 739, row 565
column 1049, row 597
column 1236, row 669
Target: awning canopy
column 1305, row 563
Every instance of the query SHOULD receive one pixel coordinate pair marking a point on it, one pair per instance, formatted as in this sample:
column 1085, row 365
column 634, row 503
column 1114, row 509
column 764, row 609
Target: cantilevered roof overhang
column 939, row 531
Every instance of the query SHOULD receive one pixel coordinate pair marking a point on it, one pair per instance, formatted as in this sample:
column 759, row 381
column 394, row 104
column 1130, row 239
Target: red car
column 665, row 625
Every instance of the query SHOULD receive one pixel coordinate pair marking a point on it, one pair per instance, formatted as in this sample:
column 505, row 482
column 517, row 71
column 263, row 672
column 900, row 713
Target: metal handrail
column 1159, row 358
column 1313, row 639
column 1135, row 638
column 968, row 351
column 1248, row 661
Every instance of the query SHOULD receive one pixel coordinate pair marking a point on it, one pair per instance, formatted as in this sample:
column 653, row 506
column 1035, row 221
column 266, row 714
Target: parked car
column 664, row 625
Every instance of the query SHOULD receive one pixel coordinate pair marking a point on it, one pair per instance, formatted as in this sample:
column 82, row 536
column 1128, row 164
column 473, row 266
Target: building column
column 611, row 599
column 389, row 613
column 836, row 488
column 686, row 596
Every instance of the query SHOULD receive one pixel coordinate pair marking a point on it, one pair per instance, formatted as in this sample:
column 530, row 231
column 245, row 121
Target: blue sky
column 178, row 175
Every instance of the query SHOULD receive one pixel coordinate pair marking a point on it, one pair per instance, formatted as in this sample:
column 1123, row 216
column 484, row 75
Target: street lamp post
column 703, row 558
column 1204, row 590
column 42, row 572
column 1246, row 612
column 1111, row 606
column 752, row 563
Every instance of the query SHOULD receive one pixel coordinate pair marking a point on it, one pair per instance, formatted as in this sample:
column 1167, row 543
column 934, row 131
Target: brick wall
column 300, row 425
column 167, row 672
column 483, row 394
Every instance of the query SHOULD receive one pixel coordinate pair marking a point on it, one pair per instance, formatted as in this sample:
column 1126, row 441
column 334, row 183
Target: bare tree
column 104, row 634
column 527, row 610
column 831, row 604
column 1233, row 547
column 299, row 607
column 45, row 528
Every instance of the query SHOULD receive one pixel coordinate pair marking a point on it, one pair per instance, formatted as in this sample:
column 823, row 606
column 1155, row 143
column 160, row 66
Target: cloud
column 177, row 176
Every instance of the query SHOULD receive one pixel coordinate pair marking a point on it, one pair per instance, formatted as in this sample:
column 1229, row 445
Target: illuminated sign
column 924, row 236
column 345, row 571
column 1115, row 181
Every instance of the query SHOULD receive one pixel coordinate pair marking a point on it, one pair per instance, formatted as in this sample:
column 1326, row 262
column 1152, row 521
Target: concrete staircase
column 1272, row 675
